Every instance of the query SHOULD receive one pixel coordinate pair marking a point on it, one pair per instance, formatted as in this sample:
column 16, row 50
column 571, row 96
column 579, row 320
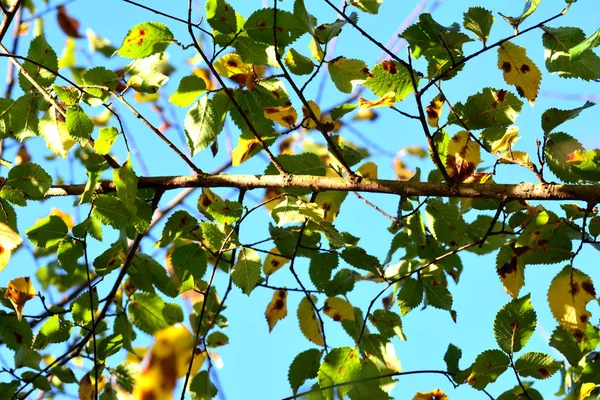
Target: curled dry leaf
column 68, row 24
column 19, row 292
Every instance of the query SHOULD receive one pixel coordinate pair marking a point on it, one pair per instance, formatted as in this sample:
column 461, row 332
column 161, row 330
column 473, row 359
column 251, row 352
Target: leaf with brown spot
column 68, row 24
column 284, row 116
column 368, row 170
column 536, row 365
column 274, row 261
column 519, row 70
column 19, row 292
column 510, row 271
column 434, row 109
column 436, row 394
column 463, row 156
column 568, row 295
column 277, row 308
column 388, row 99
column 338, row 309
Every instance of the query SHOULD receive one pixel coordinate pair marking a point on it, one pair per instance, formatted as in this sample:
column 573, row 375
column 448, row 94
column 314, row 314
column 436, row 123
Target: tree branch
column 519, row 191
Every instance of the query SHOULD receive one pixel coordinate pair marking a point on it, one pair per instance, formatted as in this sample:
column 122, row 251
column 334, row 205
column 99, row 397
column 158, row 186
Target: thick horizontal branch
column 521, row 191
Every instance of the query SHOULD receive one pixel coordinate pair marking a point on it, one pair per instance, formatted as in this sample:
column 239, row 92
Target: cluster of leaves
column 428, row 234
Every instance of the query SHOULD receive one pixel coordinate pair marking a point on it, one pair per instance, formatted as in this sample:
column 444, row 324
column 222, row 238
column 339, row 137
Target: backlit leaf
column 274, row 261
column 146, row 39
column 40, row 52
column 537, row 365
column 305, row 366
column 514, row 324
column 568, row 295
column 479, row 21
column 284, row 116
column 31, row 179
column 487, row 109
column 558, row 43
column 530, row 6
column 78, row 124
column 341, row 365
column 488, row 366
column 519, row 70
column 338, row 309
column 260, row 27
column 19, row 292
column 277, row 308
column 463, row 156
column 553, row 117
column 309, row 324
column 369, row 6
column 246, row 271
column 579, row 50
column 347, row 73
column 47, row 232
column 297, row 63
column 390, row 76
column 204, row 122
column 190, row 87
column 54, row 131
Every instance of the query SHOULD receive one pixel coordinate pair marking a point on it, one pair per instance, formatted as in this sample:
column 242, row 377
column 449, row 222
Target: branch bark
column 520, row 191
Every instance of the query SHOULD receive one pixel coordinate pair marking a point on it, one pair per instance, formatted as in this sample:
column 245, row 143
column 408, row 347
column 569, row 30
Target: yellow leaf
column 19, row 292
column 87, row 388
column 519, row 156
column 436, row 394
column 586, row 390
column 388, row 99
column 284, row 116
column 512, row 277
column 274, row 262
column 434, row 109
column 309, row 323
column 463, row 156
column 277, row 308
column 205, row 200
column 9, row 240
column 365, row 114
column 368, row 170
column 54, row 131
column 338, row 309
column 519, row 70
column 569, row 293
column 168, row 361
column 232, row 64
column 506, row 142
column 308, row 122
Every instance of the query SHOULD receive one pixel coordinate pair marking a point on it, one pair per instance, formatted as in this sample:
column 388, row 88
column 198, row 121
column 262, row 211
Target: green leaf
column 390, row 76
column 537, row 365
column 559, row 147
column 447, row 224
column 347, row 73
column 254, row 52
column 202, row 388
column 342, row 283
column 111, row 259
column 188, row 261
column 24, row 117
column 106, row 139
column 147, row 312
column 530, row 6
column 31, row 179
column 304, row 367
column 99, row 44
column 54, row 132
column 321, row 267
column 429, row 36
column 518, row 392
column 203, row 122
column 451, row 358
column 109, row 346
column 99, row 76
column 64, row 374
column 78, row 124
column 436, row 292
column 479, row 21
column 178, row 224
column 225, row 211
column 217, row 339
column 260, row 27
column 566, row 344
column 369, row 6
column 89, row 226
column 112, row 211
column 339, row 111
column 246, row 271
column 487, row 109
column 410, row 295
column 299, row 164
column 514, row 324
column 488, row 366
column 253, row 103
column 215, row 235
column 146, row 75
column 388, row 324
column 358, row 257
column 145, row 273
column 341, row 365
column 594, row 226
column 41, row 53
column 82, row 308
column 553, row 117
column 146, row 39
column 301, row 13
column 38, row 381
column 15, row 333
column 326, row 32
column 47, row 232
column 54, row 330
column 126, row 183
column 558, row 43
column 221, row 16
column 67, row 94
column 580, row 49
column 28, row 358
column 69, row 251
column 297, row 63
column 190, row 87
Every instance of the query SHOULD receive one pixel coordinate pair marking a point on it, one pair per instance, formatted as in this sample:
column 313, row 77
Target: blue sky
column 256, row 362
